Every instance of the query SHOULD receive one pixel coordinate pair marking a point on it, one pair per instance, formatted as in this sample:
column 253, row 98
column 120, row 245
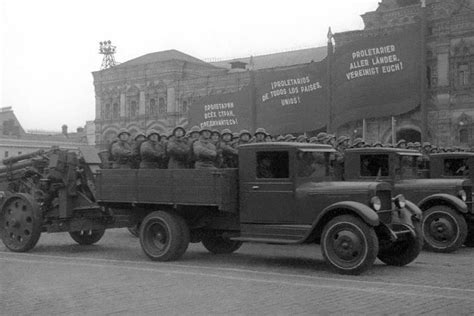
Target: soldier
column 342, row 144
column 152, row 152
column 244, row 137
column 205, row 151
column 178, row 150
column 321, row 137
column 216, row 140
column 377, row 144
column 289, row 138
column 313, row 140
column 358, row 143
column 410, row 145
column 139, row 139
column 417, row 146
column 301, row 139
column 260, row 135
column 401, row 144
column 269, row 138
column 331, row 140
column 194, row 133
column 121, row 151
column 215, row 137
column 228, row 152
column 280, row 138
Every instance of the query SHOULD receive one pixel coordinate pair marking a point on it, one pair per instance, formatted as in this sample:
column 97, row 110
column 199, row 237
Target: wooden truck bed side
column 205, row 187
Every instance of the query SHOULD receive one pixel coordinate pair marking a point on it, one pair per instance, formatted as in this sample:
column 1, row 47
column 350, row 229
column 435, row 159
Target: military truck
column 455, row 165
column 445, row 203
column 282, row 193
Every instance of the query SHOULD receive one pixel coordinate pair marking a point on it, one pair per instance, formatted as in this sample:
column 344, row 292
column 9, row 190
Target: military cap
column 426, row 144
column 366, row 145
column 321, row 136
column 301, row 139
column 377, row 144
column 226, row 131
column 244, row 131
column 123, row 131
column 313, row 140
column 153, row 131
column 205, row 129
column 260, row 130
column 139, row 134
column 358, row 141
column 342, row 139
column 416, row 144
column 410, row 145
column 289, row 138
column 194, row 129
column 235, row 135
column 280, row 138
column 215, row 131
column 400, row 142
column 176, row 128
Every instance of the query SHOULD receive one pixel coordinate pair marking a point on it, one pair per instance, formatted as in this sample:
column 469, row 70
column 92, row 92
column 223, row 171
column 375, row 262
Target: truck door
column 267, row 190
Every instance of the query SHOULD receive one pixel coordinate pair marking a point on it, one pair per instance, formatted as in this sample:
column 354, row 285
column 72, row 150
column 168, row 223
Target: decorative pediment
column 463, row 48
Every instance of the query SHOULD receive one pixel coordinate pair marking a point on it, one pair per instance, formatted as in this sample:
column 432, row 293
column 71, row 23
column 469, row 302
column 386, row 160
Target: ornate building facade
column 449, row 50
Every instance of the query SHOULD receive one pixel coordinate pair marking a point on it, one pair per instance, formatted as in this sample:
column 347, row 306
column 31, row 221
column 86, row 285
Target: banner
column 377, row 76
column 292, row 100
column 219, row 111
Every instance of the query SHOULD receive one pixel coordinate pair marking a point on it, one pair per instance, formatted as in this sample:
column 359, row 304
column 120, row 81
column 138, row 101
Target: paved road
column 115, row 277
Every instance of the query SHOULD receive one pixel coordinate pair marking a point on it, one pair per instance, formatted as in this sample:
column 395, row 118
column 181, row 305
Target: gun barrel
column 8, row 161
column 16, row 166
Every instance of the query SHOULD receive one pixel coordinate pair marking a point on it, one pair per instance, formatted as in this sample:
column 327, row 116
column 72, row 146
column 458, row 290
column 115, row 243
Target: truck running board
column 267, row 240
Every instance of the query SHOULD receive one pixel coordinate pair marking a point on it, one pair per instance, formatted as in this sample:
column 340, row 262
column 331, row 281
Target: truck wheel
column 164, row 236
column 349, row 245
column 219, row 245
column 444, row 229
column 403, row 252
column 20, row 223
column 87, row 237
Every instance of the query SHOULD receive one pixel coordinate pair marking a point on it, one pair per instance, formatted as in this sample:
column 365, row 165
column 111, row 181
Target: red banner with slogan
column 219, row 111
column 292, row 100
column 377, row 76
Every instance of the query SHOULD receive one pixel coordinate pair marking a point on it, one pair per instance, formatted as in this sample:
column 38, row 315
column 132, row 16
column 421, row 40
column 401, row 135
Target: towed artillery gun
column 282, row 193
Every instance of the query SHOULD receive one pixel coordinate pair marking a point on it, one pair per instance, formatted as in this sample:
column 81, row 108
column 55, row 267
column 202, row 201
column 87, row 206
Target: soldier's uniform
column 228, row 152
column 338, row 164
column 205, row 151
column 401, row 144
column 137, row 142
column 152, row 153
column 178, row 150
column 121, row 152
column 260, row 135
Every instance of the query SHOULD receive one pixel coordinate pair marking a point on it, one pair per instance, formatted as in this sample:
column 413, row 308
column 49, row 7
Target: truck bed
column 218, row 187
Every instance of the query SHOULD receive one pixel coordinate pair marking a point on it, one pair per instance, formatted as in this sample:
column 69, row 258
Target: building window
column 463, row 71
column 464, row 136
column 6, row 154
column 19, row 153
column 133, row 109
column 152, row 108
column 116, row 111
column 184, row 107
column 162, row 106
column 108, row 111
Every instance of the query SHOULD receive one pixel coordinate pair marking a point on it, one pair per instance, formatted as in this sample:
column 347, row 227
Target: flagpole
column 330, row 51
column 253, row 96
column 423, row 79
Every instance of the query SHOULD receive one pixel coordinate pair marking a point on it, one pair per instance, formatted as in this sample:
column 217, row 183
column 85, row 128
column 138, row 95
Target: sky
column 49, row 48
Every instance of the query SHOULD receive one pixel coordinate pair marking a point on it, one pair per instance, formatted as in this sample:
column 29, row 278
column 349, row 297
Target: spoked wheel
column 444, row 229
column 87, row 237
column 219, row 245
column 403, row 252
column 349, row 245
column 20, row 222
column 164, row 236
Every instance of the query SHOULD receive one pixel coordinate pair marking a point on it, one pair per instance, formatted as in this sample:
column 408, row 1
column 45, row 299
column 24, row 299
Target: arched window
column 463, row 71
column 153, row 109
column 464, row 136
column 161, row 105
column 184, row 107
column 115, row 111
column 108, row 111
column 133, row 109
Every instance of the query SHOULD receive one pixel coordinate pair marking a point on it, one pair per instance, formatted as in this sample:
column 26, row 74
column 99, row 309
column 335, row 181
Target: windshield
column 313, row 164
column 409, row 166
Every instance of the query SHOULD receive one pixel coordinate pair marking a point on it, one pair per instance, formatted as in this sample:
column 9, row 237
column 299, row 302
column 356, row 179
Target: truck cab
column 445, row 202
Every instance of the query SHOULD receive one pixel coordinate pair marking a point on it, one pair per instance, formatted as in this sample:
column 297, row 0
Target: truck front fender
column 443, row 199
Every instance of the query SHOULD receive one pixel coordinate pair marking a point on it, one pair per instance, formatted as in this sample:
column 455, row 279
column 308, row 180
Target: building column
column 171, row 102
column 123, row 105
column 142, row 104
column 98, row 108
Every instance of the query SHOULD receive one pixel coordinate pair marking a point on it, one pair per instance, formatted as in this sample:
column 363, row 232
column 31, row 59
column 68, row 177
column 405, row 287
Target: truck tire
column 444, row 229
column 219, row 245
column 87, row 237
column 403, row 252
column 164, row 236
column 349, row 245
column 20, row 223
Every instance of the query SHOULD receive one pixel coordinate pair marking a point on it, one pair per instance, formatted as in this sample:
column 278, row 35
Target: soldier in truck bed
column 205, row 151
column 121, row 151
column 178, row 150
column 139, row 139
column 152, row 152
column 228, row 152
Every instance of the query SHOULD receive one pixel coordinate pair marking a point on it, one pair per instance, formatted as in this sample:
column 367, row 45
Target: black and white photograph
column 306, row 157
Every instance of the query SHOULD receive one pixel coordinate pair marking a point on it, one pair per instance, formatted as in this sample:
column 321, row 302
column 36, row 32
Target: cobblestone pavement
column 115, row 277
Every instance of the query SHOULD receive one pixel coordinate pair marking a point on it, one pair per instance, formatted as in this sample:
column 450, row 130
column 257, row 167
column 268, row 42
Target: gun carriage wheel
column 87, row 237
column 20, row 222
column 349, row 245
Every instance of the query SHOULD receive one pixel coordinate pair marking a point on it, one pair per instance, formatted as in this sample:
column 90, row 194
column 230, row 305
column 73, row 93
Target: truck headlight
column 376, row 203
column 399, row 201
column 462, row 195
